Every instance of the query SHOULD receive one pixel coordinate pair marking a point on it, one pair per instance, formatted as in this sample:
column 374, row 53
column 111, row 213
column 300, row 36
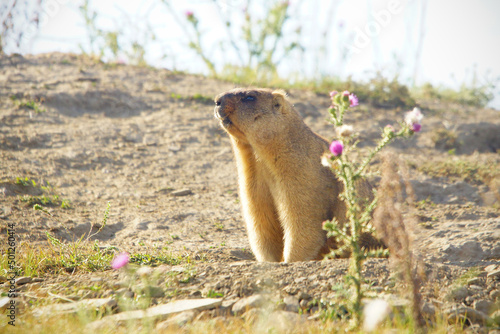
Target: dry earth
column 146, row 141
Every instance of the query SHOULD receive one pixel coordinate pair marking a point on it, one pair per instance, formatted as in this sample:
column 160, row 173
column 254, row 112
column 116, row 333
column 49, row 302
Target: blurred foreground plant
column 359, row 207
column 396, row 230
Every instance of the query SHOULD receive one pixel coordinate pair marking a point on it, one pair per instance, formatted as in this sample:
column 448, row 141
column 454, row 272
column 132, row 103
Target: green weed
column 38, row 207
column 49, row 196
column 78, row 255
column 58, row 257
column 155, row 260
column 65, row 204
column 188, row 275
column 218, row 225
column 212, row 294
column 469, row 94
column 381, row 92
column 425, row 203
column 463, row 279
column 30, row 104
column 41, row 200
column 203, row 99
column 26, row 182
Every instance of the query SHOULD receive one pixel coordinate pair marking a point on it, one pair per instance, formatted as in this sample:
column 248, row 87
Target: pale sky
column 459, row 35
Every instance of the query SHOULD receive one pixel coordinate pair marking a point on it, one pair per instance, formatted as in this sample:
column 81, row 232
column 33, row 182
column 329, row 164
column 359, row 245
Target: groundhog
column 286, row 193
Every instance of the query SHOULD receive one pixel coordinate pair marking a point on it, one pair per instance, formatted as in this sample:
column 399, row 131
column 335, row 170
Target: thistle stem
column 341, row 115
column 385, row 140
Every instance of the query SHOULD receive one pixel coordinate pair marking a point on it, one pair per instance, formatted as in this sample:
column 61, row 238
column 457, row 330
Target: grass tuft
column 457, row 169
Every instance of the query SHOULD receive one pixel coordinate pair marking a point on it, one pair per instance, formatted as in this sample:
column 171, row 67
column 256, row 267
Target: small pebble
column 181, row 192
column 23, row 280
column 493, row 274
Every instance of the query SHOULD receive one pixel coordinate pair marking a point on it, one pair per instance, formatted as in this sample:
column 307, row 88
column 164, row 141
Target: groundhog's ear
column 279, row 97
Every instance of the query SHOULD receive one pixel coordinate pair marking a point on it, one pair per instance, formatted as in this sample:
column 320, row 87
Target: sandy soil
column 146, row 141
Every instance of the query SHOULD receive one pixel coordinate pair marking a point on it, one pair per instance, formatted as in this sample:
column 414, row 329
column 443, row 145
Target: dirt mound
column 134, row 136
column 145, row 140
column 112, row 103
column 478, row 137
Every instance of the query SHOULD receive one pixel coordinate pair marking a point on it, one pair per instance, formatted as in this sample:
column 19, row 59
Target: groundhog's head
column 247, row 113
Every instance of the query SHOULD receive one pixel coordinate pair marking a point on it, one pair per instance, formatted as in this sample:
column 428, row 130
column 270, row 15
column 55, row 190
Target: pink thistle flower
column 413, row 117
column 389, row 129
column 189, row 14
column 353, row 99
column 346, row 93
column 415, row 127
column 336, row 147
column 333, row 93
column 120, row 260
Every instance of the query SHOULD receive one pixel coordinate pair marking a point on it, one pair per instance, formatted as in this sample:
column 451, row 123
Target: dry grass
column 78, row 323
column 396, row 230
column 455, row 168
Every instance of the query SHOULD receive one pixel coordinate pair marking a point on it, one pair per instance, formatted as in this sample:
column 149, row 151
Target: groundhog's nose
column 224, row 105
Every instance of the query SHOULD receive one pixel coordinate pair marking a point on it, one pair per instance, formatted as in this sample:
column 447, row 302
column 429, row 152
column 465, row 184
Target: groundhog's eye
column 248, row 98
column 217, row 103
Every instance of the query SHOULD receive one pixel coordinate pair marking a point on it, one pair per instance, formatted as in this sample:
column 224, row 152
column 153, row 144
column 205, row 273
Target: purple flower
column 189, row 14
column 346, row 93
column 336, row 147
column 333, row 93
column 120, row 260
column 353, row 99
column 413, row 119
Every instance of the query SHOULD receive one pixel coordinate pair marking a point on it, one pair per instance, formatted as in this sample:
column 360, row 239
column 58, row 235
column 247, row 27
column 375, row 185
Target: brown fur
column 286, row 193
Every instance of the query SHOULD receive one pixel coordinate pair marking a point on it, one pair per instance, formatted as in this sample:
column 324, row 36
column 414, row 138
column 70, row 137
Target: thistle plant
column 352, row 175
column 258, row 41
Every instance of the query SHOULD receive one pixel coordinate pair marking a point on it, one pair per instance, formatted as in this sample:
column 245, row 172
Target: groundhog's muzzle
column 224, row 107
